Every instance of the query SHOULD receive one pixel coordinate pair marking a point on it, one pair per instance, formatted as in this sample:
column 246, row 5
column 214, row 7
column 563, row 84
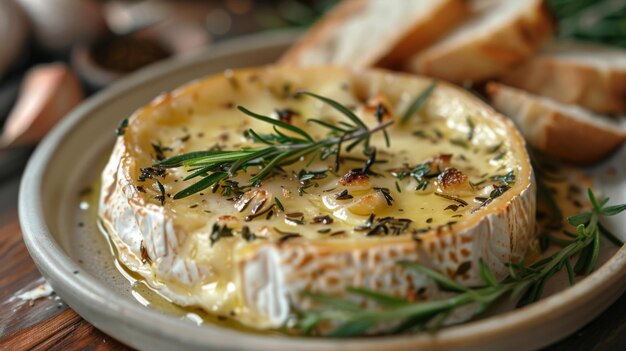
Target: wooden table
column 49, row 324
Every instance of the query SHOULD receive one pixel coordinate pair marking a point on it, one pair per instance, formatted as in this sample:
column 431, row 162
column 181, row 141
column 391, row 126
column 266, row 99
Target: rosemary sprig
column 278, row 148
column 397, row 315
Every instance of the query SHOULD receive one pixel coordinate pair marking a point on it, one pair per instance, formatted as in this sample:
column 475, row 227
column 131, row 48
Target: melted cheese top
column 468, row 160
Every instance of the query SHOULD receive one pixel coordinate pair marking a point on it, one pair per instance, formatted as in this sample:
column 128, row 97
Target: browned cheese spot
column 354, row 178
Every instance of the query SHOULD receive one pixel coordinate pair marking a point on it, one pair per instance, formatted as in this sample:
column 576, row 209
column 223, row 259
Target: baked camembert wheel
column 314, row 179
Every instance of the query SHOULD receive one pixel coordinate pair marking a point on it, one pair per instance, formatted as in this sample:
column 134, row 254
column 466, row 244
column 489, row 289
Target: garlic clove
column 48, row 93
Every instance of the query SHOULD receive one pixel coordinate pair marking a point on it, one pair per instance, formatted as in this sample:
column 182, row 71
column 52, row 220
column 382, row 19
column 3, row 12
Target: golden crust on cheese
column 454, row 186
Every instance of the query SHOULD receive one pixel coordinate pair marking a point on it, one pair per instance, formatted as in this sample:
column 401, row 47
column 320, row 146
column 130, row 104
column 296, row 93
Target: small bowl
column 103, row 62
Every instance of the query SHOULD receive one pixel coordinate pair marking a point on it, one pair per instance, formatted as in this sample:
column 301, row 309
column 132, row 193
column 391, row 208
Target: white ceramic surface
column 72, row 257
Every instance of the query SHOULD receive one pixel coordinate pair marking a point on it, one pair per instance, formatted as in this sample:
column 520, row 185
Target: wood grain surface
column 49, row 324
column 46, row 323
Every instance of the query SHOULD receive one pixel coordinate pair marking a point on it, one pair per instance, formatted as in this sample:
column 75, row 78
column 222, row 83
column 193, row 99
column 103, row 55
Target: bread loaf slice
column 565, row 131
column 361, row 33
column 499, row 35
column 585, row 74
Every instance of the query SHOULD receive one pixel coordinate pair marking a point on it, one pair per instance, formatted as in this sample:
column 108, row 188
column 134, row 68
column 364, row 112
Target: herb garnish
column 326, row 219
column 160, row 197
column 279, row 204
column 452, row 207
column 150, row 173
column 247, row 234
column 281, row 232
column 498, row 190
column 302, row 189
column 386, row 195
column 368, row 223
column 295, row 217
column 398, row 315
column 231, row 188
column 472, row 129
column 280, row 149
column 343, row 195
column 419, row 102
column 384, row 225
column 305, row 175
column 287, row 237
column 505, row 182
column 452, row 198
column 460, row 143
column 218, row 232
column 370, row 161
column 378, row 229
column 159, row 151
column 121, row 128
column 421, row 173
column 504, row 179
column 269, row 211
column 381, row 111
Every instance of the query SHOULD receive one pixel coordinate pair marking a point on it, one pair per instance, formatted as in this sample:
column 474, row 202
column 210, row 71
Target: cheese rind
column 449, row 224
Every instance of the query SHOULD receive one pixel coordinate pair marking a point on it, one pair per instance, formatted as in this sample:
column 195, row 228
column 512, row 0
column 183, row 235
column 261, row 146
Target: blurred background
column 55, row 53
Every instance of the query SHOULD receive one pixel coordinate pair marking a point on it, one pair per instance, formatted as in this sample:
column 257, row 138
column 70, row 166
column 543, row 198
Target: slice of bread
column 499, row 35
column 361, row 33
column 566, row 131
column 589, row 75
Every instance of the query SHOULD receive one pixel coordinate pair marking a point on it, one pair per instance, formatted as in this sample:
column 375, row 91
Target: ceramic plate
column 60, row 230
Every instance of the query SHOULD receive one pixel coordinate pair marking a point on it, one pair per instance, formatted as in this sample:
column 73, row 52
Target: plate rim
column 82, row 291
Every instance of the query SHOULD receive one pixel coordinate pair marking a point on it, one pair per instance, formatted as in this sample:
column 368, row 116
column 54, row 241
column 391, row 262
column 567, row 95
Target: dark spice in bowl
column 127, row 54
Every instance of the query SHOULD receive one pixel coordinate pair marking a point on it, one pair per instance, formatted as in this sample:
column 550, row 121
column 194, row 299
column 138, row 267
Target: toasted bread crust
column 553, row 131
column 489, row 55
column 320, row 31
column 437, row 23
column 598, row 88
column 442, row 20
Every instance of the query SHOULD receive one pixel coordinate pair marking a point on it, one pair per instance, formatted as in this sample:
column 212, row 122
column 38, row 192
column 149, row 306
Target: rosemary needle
column 419, row 102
